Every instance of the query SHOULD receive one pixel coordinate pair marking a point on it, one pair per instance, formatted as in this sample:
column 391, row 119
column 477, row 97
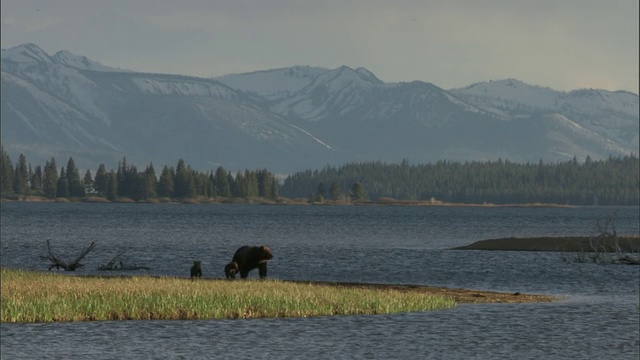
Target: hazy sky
column 562, row 44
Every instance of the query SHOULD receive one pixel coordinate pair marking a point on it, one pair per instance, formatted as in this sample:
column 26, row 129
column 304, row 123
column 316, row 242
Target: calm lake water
column 597, row 319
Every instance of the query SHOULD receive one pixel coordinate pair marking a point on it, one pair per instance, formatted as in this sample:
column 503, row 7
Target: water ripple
column 597, row 319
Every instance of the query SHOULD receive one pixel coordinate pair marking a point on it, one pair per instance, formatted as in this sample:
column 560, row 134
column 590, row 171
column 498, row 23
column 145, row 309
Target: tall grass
column 46, row 297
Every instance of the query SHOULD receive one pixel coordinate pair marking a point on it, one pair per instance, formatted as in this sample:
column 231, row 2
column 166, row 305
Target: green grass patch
column 29, row 296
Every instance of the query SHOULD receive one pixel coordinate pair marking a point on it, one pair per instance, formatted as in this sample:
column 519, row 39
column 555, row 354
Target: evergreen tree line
column 614, row 181
column 127, row 181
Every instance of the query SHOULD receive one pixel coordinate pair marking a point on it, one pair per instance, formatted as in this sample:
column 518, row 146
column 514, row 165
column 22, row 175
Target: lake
column 597, row 318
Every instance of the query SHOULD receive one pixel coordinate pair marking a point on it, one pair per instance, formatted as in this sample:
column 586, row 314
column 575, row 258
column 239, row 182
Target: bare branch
column 116, row 263
column 605, row 246
column 58, row 263
column 76, row 263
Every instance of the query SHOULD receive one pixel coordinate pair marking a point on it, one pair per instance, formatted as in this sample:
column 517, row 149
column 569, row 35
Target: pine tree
column 184, row 185
column 334, row 191
column 357, row 192
column 223, row 188
column 131, row 186
column 88, row 183
column 139, row 185
column 50, row 181
column 62, row 185
column 36, row 180
column 76, row 187
column 251, row 184
column 322, row 192
column 238, row 186
column 112, row 186
column 120, row 176
column 275, row 192
column 6, row 174
column 21, row 177
column 150, row 182
column 100, row 180
column 165, row 183
column 264, row 183
column 211, row 185
column 200, row 183
column 267, row 184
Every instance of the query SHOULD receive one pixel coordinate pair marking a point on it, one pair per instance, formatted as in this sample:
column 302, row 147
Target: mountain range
column 292, row 119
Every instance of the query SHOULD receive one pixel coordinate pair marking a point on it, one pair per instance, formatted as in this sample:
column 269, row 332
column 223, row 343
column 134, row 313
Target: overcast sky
column 562, row 44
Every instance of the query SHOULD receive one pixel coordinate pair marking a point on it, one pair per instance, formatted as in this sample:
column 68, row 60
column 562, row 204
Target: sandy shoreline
column 569, row 243
column 462, row 296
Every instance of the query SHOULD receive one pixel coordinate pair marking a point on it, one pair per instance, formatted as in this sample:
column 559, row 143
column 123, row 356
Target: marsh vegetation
column 29, row 296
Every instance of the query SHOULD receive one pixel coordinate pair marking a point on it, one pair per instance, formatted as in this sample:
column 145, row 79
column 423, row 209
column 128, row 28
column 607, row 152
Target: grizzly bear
column 248, row 258
column 230, row 270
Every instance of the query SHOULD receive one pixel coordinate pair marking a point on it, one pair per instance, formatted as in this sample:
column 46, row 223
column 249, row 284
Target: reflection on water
column 597, row 319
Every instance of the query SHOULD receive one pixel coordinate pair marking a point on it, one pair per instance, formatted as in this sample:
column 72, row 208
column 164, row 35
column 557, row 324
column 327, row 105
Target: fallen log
column 116, row 263
column 72, row 266
column 628, row 260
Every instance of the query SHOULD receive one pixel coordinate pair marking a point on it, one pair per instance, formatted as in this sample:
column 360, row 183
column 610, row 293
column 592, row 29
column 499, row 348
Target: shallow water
column 597, row 319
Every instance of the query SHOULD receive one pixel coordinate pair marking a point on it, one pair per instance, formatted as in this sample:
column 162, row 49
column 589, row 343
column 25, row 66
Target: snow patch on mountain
column 508, row 96
column 334, row 91
column 614, row 114
column 80, row 62
column 186, row 87
column 368, row 75
column 42, row 98
column 273, row 84
column 515, row 96
column 27, row 53
column 592, row 101
column 567, row 130
column 338, row 79
column 53, row 80
column 313, row 137
column 462, row 104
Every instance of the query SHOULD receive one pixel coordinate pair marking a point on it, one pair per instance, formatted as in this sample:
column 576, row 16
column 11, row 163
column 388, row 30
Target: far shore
column 383, row 201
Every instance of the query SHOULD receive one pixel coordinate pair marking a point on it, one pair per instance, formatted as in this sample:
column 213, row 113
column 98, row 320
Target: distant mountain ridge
column 598, row 110
column 295, row 118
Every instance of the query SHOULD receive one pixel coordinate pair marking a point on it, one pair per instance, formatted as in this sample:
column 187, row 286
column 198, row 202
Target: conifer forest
column 613, row 181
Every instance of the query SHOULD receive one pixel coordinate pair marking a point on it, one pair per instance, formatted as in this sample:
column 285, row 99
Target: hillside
column 287, row 120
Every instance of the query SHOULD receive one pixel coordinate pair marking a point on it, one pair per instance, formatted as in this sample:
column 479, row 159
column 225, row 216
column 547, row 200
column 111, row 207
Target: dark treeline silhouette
column 181, row 182
column 613, row 181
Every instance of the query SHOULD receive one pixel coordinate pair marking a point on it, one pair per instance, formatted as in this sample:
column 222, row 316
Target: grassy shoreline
column 29, row 296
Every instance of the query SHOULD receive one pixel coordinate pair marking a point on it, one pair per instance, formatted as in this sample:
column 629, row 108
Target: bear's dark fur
column 230, row 270
column 248, row 258
column 196, row 269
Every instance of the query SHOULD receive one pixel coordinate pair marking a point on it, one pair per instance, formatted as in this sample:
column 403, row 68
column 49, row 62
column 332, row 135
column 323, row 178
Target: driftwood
column 605, row 246
column 72, row 266
column 116, row 263
column 628, row 260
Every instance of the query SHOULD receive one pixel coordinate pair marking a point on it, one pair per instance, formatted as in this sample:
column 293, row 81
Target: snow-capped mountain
column 273, row 84
column 612, row 114
column 53, row 108
column 486, row 121
column 292, row 119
